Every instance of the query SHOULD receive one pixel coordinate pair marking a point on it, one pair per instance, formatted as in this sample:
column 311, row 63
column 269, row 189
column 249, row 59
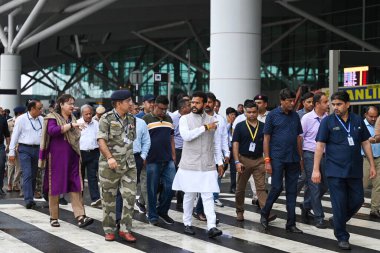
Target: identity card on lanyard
column 349, row 137
column 252, row 146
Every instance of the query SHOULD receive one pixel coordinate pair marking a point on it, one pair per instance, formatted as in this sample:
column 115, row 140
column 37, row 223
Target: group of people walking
column 154, row 153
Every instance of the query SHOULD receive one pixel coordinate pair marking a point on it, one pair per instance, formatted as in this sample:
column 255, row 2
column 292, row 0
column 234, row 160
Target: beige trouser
column 14, row 172
column 255, row 168
column 375, row 195
column 76, row 202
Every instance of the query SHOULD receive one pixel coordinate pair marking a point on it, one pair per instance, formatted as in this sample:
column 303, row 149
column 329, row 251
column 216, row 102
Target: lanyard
column 349, row 125
column 249, row 129
column 27, row 114
column 121, row 122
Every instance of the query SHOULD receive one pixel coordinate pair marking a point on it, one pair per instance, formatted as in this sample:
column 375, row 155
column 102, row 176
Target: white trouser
column 208, row 206
column 253, row 187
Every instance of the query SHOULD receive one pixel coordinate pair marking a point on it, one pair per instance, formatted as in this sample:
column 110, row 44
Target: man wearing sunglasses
column 27, row 133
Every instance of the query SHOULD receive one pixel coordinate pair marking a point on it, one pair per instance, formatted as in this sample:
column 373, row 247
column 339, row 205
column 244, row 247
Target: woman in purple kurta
column 63, row 170
column 60, row 156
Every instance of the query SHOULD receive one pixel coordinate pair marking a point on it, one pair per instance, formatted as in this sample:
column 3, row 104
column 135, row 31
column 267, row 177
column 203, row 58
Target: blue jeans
column 316, row 191
column 29, row 164
column 347, row 196
column 160, row 172
column 292, row 171
column 90, row 162
column 2, row 165
column 300, row 184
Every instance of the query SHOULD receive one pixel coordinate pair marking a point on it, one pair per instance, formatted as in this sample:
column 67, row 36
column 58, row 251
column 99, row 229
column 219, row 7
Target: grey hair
column 86, row 106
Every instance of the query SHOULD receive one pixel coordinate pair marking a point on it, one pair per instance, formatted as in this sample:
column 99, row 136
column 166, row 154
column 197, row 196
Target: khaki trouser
column 14, row 172
column 375, row 195
column 76, row 202
column 255, row 168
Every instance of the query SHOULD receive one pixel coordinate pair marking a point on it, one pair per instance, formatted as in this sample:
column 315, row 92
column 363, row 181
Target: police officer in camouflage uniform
column 117, row 167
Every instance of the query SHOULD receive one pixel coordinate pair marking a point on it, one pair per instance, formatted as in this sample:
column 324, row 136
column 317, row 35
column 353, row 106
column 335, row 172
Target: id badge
column 350, row 141
column 252, row 147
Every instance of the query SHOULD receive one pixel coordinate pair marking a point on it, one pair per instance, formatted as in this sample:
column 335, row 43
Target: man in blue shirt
column 148, row 103
column 342, row 135
column 373, row 125
column 283, row 153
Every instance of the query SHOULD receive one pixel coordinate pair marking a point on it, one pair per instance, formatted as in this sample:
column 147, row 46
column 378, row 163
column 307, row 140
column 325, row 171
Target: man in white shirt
column 27, row 133
column 89, row 150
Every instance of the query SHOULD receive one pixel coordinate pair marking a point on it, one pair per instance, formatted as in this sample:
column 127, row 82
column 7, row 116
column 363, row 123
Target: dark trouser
column 232, row 171
column 179, row 194
column 347, row 196
column 316, row 191
column 300, row 184
column 292, row 171
column 90, row 162
column 163, row 172
column 2, row 165
column 141, row 179
column 29, row 165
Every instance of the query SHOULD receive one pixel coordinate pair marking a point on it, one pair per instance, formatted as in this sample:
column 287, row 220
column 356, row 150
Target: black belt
column 137, row 153
column 90, row 150
column 373, row 157
column 307, row 151
column 29, row 145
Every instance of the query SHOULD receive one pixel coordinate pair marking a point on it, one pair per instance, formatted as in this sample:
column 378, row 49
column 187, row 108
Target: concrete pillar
column 235, row 50
column 10, row 81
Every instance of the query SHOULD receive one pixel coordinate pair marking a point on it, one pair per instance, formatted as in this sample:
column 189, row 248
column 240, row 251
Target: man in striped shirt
column 160, row 166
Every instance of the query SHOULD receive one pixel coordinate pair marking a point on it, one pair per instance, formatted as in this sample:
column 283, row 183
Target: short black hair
column 181, row 96
column 31, row 103
column 247, row 101
column 286, row 94
column 200, row 94
column 231, row 110
column 371, row 107
column 307, row 95
column 161, row 99
column 341, row 95
column 182, row 103
column 211, row 96
column 219, row 102
column 317, row 97
column 250, row 104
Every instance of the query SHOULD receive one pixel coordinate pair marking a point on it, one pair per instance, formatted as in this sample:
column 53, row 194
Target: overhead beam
column 39, row 81
column 73, row 82
column 160, row 27
column 197, row 39
column 165, row 56
column 328, row 26
column 281, row 22
column 283, row 36
column 63, row 24
column 3, row 37
column 11, row 5
column 79, row 6
column 11, row 25
column 171, row 53
column 27, row 25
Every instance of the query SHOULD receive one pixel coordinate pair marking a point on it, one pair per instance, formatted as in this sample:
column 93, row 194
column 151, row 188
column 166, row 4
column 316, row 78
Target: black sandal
column 84, row 221
column 54, row 223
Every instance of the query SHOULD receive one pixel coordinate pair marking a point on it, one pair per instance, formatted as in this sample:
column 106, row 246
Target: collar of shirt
column 282, row 111
column 315, row 115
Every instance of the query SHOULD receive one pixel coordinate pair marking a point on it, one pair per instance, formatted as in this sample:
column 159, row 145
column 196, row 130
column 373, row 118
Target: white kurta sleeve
column 186, row 133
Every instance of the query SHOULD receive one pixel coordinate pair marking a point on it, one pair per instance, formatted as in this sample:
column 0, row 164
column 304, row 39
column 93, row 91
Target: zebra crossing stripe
column 9, row 244
column 67, row 231
column 161, row 234
column 355, row 239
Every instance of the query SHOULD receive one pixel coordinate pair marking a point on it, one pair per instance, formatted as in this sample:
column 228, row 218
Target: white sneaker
column 96, row 203
column 218, row 203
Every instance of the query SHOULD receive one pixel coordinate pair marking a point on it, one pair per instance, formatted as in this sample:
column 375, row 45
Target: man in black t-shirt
column 247, row 146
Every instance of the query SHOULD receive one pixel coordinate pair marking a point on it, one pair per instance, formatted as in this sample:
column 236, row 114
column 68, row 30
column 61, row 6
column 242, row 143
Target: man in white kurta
column 196, row 172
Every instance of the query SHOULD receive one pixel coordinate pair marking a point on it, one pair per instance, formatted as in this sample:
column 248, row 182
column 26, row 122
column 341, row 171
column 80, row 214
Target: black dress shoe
column 2, row 192
column 272, row 218
column 264, row 222
column 30, row 205
column 189, row 230
column 214, row 232
column 344, row 245
column 232, row 191
column 63, row 201
column 294, row 229
column 320, row 224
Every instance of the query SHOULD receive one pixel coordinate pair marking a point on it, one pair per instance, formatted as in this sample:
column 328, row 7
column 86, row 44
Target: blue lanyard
column 349, row 125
